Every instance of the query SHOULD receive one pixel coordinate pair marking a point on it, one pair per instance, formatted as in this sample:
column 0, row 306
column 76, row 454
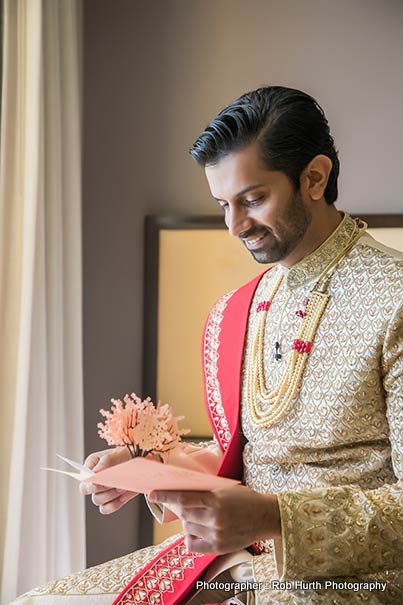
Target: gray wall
column 154, row 74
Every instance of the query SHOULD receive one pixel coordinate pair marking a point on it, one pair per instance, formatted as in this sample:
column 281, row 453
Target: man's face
column 261, row 206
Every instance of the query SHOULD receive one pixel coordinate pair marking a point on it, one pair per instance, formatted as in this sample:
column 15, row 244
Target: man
column 307, row 363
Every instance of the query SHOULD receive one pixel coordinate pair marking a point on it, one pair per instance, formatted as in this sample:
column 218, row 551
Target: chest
column 339, row 398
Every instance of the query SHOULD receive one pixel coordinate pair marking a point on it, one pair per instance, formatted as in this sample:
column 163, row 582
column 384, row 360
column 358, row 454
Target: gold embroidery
column 266, row 406
column 264, row 568
column 343, row 436
column 110, row 577
column 151, row 587
column 310, row 267
column 212, row 386
column 278, row 400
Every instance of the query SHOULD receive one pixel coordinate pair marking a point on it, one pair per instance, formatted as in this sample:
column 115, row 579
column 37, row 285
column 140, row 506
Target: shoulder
column 377, row 249
column 378, row 268
column 378, row 260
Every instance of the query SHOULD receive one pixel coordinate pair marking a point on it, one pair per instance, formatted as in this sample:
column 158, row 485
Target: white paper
column 83, row 474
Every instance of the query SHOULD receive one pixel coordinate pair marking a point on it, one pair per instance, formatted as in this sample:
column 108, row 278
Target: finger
column 87, row 488
column 105, row 461
column 112, row 507
column 182, row 498
column 201, row 516
column 111, row 457
column 194, row 544
column 92, row 460
column 198, row 531
column 107, row 496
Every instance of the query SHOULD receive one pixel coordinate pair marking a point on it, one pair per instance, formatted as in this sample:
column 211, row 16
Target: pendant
column 301, row 313
column 277, row 354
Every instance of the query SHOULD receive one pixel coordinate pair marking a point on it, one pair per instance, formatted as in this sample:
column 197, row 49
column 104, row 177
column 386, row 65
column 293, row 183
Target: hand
column 108, row 499
column 225, row 520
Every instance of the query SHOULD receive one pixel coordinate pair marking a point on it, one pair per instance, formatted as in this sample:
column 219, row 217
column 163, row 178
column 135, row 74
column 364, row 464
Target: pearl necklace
column 266, row 407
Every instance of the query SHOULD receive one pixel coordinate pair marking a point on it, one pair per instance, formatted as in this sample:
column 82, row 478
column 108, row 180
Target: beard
column 289, row 232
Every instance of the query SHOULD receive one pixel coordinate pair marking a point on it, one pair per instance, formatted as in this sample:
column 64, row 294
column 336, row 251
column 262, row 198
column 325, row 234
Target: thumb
column 92, row 460
column 103, row 462
column 110, row 458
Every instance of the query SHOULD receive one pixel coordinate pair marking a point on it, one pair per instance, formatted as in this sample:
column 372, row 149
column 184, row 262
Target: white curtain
column 42, row 524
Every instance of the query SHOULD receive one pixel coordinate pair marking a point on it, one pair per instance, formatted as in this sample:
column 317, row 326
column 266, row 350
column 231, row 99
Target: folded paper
column 83, row 474
column 143, row 476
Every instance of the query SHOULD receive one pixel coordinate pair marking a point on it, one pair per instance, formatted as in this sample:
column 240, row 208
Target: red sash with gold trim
column 172, row 574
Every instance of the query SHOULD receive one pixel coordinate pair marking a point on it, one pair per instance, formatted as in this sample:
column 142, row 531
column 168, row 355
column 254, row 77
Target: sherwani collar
column 310, row 268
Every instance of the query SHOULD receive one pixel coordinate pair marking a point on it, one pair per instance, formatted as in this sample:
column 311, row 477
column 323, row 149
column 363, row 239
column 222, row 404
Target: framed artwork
column 189, row 263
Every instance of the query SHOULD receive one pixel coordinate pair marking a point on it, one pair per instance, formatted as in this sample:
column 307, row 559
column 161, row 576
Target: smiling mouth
column 256, row 242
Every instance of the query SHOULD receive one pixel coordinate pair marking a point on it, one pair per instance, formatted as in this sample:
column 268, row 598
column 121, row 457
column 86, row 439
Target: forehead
column 243, row 160
column 238, row 171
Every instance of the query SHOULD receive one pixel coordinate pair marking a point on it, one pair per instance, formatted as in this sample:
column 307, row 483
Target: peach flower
column 139, row 425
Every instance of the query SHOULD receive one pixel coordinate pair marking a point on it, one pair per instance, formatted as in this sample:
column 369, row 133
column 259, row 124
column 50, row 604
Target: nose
column 237, row 221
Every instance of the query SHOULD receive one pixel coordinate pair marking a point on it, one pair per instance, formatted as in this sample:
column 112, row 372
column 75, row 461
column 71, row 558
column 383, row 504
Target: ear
column 315, row 176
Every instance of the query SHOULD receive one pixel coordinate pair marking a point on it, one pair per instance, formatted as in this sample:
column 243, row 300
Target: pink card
column 143, row 476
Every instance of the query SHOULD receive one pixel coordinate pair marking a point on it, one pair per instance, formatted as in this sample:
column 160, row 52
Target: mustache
column 253, row 234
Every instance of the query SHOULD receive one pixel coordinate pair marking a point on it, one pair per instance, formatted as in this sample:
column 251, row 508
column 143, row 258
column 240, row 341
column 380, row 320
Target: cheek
column 266, row 216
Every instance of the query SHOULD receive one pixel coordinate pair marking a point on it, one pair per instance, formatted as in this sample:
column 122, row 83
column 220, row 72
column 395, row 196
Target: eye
column 223, row 205
column 254, row 202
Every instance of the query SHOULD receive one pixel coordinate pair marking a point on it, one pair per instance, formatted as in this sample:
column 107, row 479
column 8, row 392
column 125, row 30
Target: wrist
column 271, row 520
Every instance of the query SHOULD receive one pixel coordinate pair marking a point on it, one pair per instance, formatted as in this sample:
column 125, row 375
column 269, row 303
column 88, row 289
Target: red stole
column 173, row 573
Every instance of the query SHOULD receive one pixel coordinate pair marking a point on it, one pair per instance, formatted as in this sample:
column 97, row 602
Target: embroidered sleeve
column 344, row 530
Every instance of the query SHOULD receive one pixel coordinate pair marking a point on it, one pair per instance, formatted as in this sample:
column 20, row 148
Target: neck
column 323, row 223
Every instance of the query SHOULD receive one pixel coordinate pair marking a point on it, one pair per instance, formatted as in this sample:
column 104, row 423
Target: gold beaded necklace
column 266, row 407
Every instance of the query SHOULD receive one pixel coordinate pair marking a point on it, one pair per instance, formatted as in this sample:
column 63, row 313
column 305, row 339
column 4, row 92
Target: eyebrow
column 217, row 199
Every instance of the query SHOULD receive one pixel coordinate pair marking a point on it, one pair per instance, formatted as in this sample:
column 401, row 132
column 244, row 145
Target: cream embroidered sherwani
column 335, row 459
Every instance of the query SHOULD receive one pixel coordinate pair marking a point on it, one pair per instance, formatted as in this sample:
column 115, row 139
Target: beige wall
column 154, row 74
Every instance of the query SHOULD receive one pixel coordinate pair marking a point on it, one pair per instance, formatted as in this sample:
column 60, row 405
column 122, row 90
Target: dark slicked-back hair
column 288, row 125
